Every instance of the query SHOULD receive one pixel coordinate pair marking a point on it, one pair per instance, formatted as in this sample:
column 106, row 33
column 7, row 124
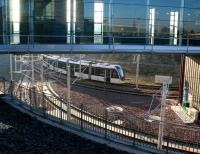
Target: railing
column 106, row 40
column 104, row 124
column 4, row 85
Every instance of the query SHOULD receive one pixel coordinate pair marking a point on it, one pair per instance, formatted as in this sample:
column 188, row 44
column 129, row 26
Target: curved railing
column 178, row 138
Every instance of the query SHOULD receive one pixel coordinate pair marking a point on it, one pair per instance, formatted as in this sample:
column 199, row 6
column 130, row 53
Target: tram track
column 145, row 91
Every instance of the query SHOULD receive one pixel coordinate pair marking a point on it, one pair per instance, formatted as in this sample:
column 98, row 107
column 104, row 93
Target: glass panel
column 51, row 21
column 166, row 25
column 192, row 3
column 174, row 3
column 140, row 2
column 98, row 22
column 129, row 11
column 1, row 23
column 15, row 7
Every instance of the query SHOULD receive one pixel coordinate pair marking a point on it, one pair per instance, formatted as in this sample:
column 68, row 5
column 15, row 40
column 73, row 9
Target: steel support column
column 147, row 21
column 181, row 22
column 68, row 93
column 110, row 21
column 5, row 18
column 31, row 22
column 181, row 81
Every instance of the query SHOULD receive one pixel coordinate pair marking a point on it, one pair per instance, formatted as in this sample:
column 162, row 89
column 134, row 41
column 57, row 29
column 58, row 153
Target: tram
column 86, row 69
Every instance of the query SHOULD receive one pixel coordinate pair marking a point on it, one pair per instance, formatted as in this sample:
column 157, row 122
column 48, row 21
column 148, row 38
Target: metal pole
column 33, row 75
column 137, row 70
column 80, row 73
column 162, row 115
column 181, row 81
column 81, row 116
column 31, row 21
column 106, row 122
column 110, row 21
column 11, row 68
column 68, row 93
column 181, row 22
column 41, row 78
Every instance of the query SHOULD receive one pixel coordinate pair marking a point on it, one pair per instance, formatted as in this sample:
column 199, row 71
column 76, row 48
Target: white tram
column 89, row 70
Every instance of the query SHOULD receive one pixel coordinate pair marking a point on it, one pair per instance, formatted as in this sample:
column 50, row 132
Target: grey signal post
column 162, row 115
column 68, row 93
column 165, row 80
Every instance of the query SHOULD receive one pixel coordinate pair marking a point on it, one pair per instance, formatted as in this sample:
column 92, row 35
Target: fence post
column 11, row 88
column 81, row 116
column 44, row 109
column 34, row 97
column 106, row 122
column 134, row 137
column 4, row 86
column 61, row 111
column 20, row 94
column 167, row 146
column 30, row 97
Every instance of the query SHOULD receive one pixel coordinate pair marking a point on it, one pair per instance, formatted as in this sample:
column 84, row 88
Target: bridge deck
column 114, row 48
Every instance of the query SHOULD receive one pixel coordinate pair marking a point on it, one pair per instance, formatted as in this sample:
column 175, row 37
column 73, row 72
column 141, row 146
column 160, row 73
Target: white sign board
column 163, row 79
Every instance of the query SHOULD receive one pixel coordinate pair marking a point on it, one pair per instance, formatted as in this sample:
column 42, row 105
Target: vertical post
column 11, row 88
column 31, row 21
column 4, row 86
column 110, row 21
column 11, row 68
column 134, row 138
column 61, row 113
column 137, row 70
column 34, row 97
column 147, row 22
column 81, row 116
column 106, row 122
column 33, row 71
column 20, row 93
column 162, row 115
column 181, row 81
column 30, row 97
column 41, row 76
column 68, row 93
column 181, row 22
column 80, row 73
column 5, row 20
column 43, row 105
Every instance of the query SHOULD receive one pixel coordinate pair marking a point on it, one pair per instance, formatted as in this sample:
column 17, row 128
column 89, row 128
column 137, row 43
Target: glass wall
column 158, row 22
column 192, row 21
column 167, row 15
column 1, row 22
column 50, row 21
column 19, row 21
column 129, row 21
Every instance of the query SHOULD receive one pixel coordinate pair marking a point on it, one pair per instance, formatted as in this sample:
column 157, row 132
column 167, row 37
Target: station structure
column 107, row 26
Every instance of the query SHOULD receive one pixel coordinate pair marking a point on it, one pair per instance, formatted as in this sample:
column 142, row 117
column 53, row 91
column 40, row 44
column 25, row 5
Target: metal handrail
column 137, row 135
column 114, row 40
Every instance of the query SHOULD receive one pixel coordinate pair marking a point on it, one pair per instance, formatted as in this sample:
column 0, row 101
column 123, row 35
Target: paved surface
column 20, row 133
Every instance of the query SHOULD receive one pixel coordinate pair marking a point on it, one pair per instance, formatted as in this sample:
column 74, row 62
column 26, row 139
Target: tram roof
column 83, row 62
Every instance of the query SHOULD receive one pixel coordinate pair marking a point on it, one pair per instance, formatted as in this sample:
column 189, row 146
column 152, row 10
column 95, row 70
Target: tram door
column 107, row 74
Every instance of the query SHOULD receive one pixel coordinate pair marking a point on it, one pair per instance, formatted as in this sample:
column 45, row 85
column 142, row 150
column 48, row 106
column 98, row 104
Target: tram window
column 98, row 71
column 61, row 65
column 114, row 74
column 52, row 62
column 76, row 68
column 84, row 69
